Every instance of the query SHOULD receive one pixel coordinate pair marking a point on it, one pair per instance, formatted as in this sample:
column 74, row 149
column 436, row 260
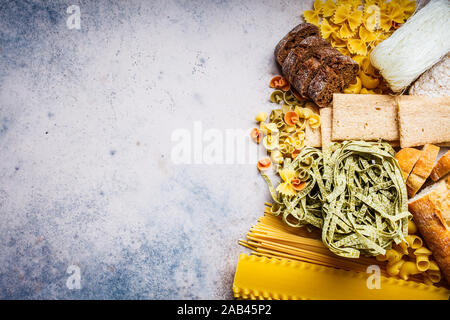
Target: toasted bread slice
column 407, row 158
column 423, row 120
column 422, row 169
column 326, row 117
column 430, row 210
column 441, row 168
column 367, row 117
column 313, row 137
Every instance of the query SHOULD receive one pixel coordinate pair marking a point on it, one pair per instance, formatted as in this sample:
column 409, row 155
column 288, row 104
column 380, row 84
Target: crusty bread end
column 407, row 158
column 442, row 167
column 429, row 215
column 422, row 169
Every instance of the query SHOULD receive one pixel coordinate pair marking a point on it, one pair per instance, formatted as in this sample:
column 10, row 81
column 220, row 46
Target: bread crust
column 407, row 158
column 441, row 168
column 422, row 169
column 432, row 227
column 292, row 39
column 324, row 84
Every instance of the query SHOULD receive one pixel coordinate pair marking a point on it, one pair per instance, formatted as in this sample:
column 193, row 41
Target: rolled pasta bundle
column 415, row 47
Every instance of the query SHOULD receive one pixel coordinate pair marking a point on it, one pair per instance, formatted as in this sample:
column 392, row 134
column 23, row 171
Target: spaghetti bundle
column 273, row 238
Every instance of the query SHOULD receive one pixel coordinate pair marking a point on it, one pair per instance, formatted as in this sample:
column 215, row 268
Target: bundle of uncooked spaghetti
column 273, row 238
column 415, row 47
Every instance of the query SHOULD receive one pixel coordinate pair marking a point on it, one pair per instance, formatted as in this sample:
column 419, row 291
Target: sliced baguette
column 422, row 169
column 407, row 159
column 441, row 168
column 423, row 120
column 429, row 209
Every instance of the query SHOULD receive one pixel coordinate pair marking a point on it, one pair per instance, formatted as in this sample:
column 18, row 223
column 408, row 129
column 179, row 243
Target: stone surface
column 88, row 125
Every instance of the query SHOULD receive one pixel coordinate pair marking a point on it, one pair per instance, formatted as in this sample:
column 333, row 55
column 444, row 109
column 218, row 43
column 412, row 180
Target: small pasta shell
column 304, row 113
column 270, row 142
column 267, row 128
column 368, row 81
column 276, row 156
column 291, row 118
column 408, row 268
column 279, row 82
column 290, row 129
column 275, row 114
column 298, row 144
column 264, row 164
column 393, row 269
column 277, row 96
column 283, row 147
column 299, row 135
column 289, row 140
column 314, row 121
column 261, row 116
column 298, row 185
column 366, row 91
column 256, row 135
column 295, row 153
column 393, row 256
column 354, row 88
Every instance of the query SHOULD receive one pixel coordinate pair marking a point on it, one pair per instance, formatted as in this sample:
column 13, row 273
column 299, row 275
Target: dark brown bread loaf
column 293, row 39
column 325, row 83
column 308, row 69
column 344, row 66
column 304, row 75
column 302, row 52
column 314, row 68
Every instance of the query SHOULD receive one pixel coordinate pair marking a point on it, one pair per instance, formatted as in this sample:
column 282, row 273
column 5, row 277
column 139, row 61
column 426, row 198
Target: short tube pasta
column 434, row 276
column 422, row 263
column 414, row 242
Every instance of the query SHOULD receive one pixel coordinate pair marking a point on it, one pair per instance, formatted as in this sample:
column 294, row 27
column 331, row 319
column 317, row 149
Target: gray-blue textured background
column 86, row 117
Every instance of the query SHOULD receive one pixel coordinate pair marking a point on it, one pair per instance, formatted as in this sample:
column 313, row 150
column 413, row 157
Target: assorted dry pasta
column 283, row 131
column 342, row 203
column 349, row 186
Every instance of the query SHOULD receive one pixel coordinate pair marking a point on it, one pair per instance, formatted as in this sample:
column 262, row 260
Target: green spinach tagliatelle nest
column 355, row 193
